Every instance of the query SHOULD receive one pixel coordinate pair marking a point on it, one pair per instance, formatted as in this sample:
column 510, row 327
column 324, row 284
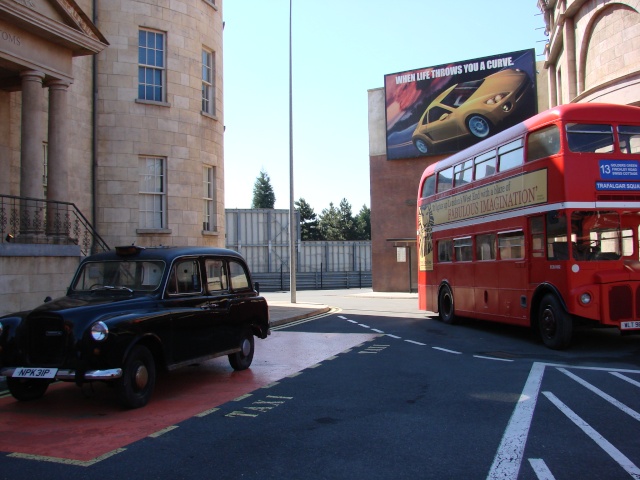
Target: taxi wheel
column 242, row 360
column 26, row 389
column 445, row 305
column 478, row 126
column 138, row 378
column 556, row 325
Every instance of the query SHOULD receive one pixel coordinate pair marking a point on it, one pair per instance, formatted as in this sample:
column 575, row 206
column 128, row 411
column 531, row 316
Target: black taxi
column 132, row 312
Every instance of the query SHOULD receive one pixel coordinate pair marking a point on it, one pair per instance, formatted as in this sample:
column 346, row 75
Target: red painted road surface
column 84, row 425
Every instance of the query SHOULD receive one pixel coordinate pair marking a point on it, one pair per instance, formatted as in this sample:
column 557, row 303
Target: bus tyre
column 445, row 305
column 556, row 325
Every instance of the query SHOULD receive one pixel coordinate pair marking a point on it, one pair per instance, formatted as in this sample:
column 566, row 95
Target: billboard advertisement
column 443, row 109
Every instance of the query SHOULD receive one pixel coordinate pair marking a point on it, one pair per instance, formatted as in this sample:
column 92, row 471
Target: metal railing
column 27, row 220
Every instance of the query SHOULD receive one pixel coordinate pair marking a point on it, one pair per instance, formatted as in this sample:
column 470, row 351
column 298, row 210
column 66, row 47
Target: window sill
column 152, row 102
column 211, row 116
column 210, row 233
column 153, row 231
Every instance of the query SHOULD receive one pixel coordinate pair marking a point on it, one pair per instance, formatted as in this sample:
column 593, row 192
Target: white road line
column 446, row 350
column 376, row 330
column 508, row 459
column 494, row 358
column 364, row 326
column 393, row 336
column 602, row 442
column 541, row 469
column 625, row 378
column 602, row 395
column 415, row 343
column 342, row 317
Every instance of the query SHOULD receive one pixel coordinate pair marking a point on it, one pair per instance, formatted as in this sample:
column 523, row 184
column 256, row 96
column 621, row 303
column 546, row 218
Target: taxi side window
column 239, row 277
column 216, row 275
column 185, row 277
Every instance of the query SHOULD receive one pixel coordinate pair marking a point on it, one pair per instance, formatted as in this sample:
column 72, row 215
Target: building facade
column 112, row 133
column 592, row 55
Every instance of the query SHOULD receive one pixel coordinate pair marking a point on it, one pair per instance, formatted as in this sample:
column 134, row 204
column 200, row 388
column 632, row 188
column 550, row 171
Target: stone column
column 31, row 152
column 553, row 86
column 57, row 184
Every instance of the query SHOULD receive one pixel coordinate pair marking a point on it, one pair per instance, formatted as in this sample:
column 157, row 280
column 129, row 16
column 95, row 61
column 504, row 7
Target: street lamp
column 292, row 216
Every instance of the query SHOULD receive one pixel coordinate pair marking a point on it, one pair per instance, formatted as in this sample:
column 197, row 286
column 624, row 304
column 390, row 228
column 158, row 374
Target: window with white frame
column 208, row 71
column 152, row 192
column 209, row 199
column 151, row 65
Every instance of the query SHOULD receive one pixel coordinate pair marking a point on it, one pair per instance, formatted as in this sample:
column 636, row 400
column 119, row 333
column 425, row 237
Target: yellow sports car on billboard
column 470, row 108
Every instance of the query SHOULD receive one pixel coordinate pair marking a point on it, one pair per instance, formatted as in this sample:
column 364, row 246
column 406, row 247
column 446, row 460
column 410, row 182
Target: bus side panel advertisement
column 445, row 108
column 512, row 193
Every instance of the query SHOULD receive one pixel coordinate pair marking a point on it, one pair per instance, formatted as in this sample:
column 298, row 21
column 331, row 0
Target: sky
column 340, row 50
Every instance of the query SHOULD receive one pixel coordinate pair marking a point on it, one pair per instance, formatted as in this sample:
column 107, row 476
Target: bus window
column 444, row 251
column 463, row 173
column 543, row 143
column 557, row 247
column 429, row 187
column 536, row 226
column 445, row 180
column 596, row 235
column 485, row 164
column 510, row 155
column 463, row 249
column 629, row 136
column 486, row 247
column 584, row 137
column 511, row 245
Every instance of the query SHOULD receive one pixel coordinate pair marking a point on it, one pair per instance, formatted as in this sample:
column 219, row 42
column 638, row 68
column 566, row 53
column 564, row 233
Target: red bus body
column 537, row 225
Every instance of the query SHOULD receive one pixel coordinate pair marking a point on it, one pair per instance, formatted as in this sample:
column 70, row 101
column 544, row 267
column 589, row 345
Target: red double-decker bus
column 537, row 225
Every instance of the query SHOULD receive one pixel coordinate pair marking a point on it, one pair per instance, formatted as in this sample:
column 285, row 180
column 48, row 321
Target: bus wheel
column 478, row 126
column 445, row 305
column 556, row 325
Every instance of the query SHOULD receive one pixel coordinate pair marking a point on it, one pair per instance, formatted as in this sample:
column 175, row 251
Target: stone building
column 112, row 133
column 592, row 55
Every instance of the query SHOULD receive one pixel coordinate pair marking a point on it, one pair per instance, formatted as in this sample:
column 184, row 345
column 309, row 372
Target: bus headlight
column 585, row 298
column 99, row 331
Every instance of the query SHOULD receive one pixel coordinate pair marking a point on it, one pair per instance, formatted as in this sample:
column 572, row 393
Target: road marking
column 447, row 350
column 494, row 358
column 352, row 321
column 364, row 326
column 625, row 378
column 66, row 461
column 541, row 469
column 376, row 330
column 602, row 395
column 506, row 463
column 415, row 343
column 163, row 431
column 393, row 336
column 602, row 442
column 207, row 412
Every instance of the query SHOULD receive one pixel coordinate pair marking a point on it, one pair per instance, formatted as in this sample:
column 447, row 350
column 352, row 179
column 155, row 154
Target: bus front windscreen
column 596, row 235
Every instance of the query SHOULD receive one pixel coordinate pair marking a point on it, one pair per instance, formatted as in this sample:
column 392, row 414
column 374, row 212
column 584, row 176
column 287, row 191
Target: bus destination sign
column 622, row 175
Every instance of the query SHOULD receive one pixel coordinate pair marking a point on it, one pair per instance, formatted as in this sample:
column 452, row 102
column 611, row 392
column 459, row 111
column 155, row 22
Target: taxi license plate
column 630, row 325
column 28, row 372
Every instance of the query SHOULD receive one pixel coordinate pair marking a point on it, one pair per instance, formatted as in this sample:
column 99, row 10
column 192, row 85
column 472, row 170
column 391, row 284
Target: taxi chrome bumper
column 70, row 375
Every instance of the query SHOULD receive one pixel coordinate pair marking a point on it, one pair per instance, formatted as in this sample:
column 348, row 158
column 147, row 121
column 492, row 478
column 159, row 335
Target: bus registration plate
column 24, row 372
column 630, row 325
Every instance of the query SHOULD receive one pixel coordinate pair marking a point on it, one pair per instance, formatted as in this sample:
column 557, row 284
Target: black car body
column 132, row 312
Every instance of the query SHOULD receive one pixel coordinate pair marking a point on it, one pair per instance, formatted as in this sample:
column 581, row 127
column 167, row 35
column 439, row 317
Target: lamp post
column 292, row 216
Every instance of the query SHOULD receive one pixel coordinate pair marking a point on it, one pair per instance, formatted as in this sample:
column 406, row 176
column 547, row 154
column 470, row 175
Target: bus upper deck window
column 485, row 164
column 590, row 138
column 429, row 187
column 462, row 173
column 510, row 155
column 629, row 136
column 543, row 143
column 445, row 179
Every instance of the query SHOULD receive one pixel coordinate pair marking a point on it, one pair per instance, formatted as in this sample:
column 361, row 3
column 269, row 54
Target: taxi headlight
column 585, row 298
column 99, row 331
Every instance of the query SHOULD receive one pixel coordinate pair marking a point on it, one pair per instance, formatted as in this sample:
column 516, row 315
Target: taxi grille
column 47, row 339
column 621, row 303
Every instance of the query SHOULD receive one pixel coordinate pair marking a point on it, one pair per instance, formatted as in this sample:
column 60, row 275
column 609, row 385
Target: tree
column 309, row 228
column 363, row 224
column 346, row 223
column 330, row 224
column 263, row 196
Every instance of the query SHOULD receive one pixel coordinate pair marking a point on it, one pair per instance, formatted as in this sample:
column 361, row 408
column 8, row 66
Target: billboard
column 443, row 109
